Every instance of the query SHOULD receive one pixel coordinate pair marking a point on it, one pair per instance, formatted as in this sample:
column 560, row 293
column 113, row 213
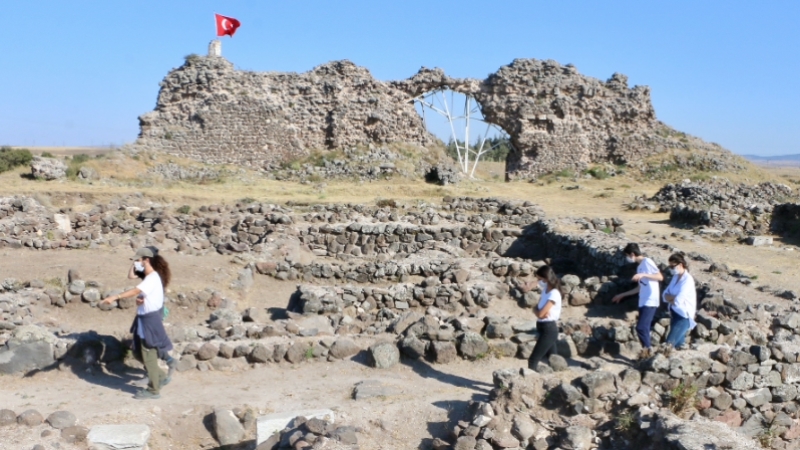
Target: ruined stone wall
column 556, row 118
column 210, row 112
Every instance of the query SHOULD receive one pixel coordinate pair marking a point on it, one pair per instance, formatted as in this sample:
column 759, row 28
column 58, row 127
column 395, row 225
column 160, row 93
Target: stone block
column 116, row 437
column 270, row 424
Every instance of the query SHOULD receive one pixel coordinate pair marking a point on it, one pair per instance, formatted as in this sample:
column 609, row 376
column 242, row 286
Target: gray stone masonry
column 556, row 118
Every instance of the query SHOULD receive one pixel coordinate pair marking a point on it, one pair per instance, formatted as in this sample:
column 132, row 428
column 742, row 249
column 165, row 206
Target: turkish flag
column 226, row 25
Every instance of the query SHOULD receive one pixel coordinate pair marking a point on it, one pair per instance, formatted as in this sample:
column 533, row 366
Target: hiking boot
column 144, row 394
column 141, row 382
column 667, row 349
column 172, row 363
column 645, row 353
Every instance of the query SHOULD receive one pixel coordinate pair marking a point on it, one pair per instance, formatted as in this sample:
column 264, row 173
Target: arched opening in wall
column 457, row 120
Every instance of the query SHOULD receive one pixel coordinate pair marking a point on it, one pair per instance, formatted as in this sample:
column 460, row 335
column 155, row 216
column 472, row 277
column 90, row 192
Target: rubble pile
column 735, row 209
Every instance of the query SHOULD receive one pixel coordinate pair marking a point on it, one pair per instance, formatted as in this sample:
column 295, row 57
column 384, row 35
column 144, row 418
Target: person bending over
column 647, row 278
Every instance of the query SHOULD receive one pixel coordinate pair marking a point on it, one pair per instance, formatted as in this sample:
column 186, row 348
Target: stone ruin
column 422, row 281
column 556, row 118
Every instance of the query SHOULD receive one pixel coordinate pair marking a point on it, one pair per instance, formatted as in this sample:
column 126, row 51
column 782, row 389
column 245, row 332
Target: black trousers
column 546, row 344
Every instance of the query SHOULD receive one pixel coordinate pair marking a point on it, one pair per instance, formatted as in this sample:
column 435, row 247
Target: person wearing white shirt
column 547, row 311
column 681, row 295
column 647, row 278
column 149, row 336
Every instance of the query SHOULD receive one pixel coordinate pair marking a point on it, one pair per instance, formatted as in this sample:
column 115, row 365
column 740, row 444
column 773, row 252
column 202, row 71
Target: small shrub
column 564, row 173
column 184, row 209
column 604, row 195
column 597, row 172
column 72, row 171
column 54, row 282
column 625, row 423
column 47, row 155
column 700, row 176
column 682, row 398
column 11, row 158
column 192, row 57
column 80, row 158
column 309, row 353
column 384, row 202
column 247, row 200
column 606, row 230
column 766, row 437
column 777, row 272
column 753, row 277
column 168, row 135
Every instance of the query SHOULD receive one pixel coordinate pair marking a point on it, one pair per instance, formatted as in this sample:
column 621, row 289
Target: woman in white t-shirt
column 647, row 278
column 547, row 311
column 681, row 294
column 149, row 336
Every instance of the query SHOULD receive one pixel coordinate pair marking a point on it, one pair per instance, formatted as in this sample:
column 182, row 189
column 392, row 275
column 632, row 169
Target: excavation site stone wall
column 556, row 118
column 786, row 219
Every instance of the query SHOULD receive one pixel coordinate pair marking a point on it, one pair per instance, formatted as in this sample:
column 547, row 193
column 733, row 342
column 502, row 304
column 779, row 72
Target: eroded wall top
column 556, row 118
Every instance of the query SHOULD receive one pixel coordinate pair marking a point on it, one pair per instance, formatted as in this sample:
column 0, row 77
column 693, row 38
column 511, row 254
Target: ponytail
column 160, row 265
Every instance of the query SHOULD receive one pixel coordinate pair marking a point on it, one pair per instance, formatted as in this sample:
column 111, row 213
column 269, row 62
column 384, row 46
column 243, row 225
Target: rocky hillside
column 556, row 118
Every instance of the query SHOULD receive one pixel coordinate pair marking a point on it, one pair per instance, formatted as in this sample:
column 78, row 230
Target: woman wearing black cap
column 149, row 337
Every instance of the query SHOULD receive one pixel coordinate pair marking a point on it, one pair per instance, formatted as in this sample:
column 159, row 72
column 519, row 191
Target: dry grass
column 123, row 175
column 68, row 151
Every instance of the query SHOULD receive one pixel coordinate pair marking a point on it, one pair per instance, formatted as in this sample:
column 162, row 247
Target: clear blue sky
column 81, row 72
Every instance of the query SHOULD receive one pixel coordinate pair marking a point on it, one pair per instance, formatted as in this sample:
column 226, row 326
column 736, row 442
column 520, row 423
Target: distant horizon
column 718, row 70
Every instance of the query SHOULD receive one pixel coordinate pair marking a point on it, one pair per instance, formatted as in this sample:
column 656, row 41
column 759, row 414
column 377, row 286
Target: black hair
column 549, row 275
column 678, row 258
column 632, row 248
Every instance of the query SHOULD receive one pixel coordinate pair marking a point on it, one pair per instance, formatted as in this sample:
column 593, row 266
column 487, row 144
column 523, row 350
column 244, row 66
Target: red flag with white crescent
column 226, row 25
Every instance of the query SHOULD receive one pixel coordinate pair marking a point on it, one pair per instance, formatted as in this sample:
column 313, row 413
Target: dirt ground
column 430, row 398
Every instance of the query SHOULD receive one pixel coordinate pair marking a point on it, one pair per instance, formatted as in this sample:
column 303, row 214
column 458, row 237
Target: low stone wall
column 736, row 209
column 786, row 220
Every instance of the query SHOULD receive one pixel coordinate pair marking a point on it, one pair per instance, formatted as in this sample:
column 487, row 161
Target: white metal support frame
column 428, row 101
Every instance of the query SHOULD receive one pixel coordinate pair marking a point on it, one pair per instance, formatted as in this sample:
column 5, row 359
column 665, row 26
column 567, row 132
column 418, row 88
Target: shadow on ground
column 425, row 370
column 97, row 359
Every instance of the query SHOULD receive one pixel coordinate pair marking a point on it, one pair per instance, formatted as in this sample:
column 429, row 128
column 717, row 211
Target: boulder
column 227, row 427
column 598, row 383
column 413, row 347
column 344, row 348
column 383, row 355
column 471, row 345
column 7, row 417
column 62, row 419
column 443, row 352
column 577, row 437
column 30, row 418
column 30, row 347
column 48, row 168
